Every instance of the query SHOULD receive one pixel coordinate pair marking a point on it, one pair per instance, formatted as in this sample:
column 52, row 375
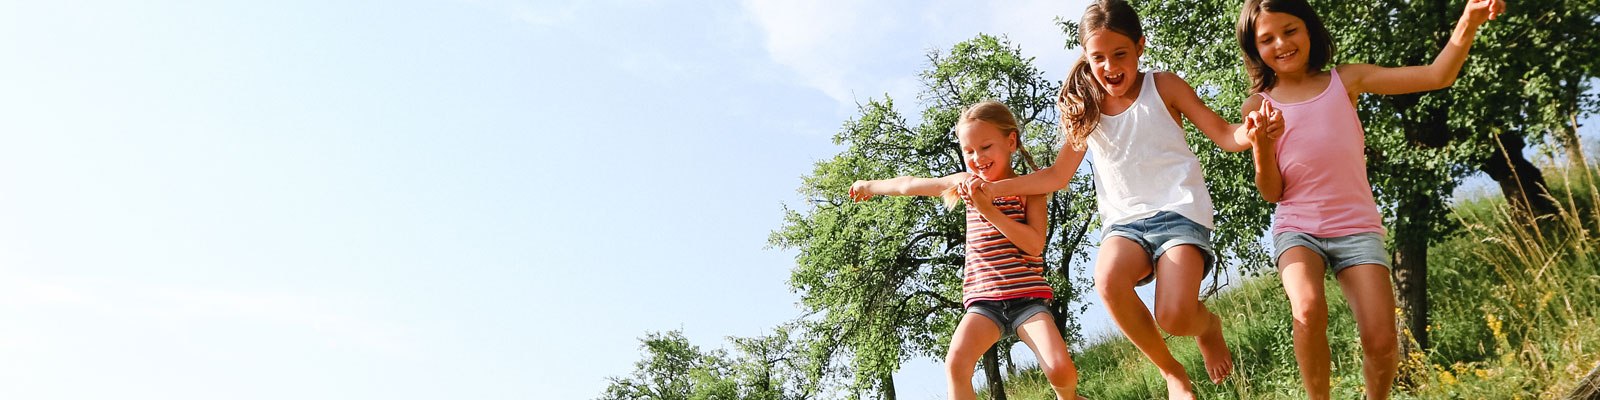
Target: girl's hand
column 1479, row 11
column 1265, row 126
column 978, row 197
column 974, row 185
column 978, row 191
column 859, row 191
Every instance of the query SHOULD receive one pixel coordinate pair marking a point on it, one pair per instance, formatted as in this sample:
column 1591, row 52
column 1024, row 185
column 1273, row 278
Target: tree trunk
column 888, row 386
column 1411, row 284
column 991, row 370
column 1005, row 357
column 1520, row 181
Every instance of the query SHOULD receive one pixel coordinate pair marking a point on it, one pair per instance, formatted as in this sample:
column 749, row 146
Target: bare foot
column 1219, row 362
column 1178, row 387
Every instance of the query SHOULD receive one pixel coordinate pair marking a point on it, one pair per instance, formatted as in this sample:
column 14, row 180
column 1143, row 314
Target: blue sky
column 422, row 199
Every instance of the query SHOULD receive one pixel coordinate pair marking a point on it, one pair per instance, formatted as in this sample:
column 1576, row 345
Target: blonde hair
column 997, row 114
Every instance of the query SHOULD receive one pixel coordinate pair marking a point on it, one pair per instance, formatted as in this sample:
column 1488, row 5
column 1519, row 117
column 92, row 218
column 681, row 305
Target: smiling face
column 1113, row 60
column 986, row 150
column 1282, row 42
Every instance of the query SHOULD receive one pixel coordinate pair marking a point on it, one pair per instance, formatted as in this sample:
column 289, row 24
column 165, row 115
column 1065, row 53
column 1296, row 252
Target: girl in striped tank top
column 1315, row 170
column 1003, row 286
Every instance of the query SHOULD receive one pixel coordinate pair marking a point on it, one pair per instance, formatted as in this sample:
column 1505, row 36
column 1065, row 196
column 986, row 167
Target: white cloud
column 852, row 50
column 826, row 42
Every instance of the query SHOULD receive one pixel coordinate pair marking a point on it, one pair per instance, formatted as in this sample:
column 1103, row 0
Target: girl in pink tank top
column 1316, row 172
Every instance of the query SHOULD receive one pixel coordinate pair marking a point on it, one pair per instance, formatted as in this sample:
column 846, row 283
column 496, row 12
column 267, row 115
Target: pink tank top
column 1321, row 157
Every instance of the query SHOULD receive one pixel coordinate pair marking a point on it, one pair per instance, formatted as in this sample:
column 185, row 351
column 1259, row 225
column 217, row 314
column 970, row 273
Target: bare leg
column 974, row 335
column 1040, row 333
column 1179, row 311
column 1302, row 270
column 1371, row 298
column 1119, row 267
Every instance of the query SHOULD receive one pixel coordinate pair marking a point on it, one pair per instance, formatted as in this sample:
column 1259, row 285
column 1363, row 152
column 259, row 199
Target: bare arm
column 1368, row 78
column 1028, row 237
column 905, row 186
column 1264, row 125
column 1043, row 181
column 1181, row 97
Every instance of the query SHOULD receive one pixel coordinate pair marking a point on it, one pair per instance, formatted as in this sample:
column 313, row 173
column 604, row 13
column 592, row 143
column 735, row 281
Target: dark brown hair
column 1261, row 76
column 1080, row 96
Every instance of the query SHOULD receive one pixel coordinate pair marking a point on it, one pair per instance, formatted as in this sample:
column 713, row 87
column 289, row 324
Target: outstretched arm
column 1368, row 78
column 1264, row 125
column 1181, row 97
column 1044, row 181
column 905, row 186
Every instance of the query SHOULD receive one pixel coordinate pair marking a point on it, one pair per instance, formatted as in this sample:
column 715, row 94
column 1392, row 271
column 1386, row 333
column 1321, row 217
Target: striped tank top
column 996, row 269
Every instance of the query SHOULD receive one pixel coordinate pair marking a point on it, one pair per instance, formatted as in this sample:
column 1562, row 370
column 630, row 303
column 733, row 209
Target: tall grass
column 1516, row 315
column 1533, row 285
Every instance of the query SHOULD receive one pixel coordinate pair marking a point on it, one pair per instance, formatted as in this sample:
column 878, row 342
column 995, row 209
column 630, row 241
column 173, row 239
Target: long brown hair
column 997, row 114
column 1080, row 96
column 1261, row 76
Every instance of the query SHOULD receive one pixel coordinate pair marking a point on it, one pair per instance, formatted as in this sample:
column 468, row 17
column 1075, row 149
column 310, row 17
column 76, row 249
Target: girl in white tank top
column 1153, row 199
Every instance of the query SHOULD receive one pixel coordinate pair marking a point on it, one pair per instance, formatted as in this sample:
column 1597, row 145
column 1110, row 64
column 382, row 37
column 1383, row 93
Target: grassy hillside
column 1515, row 307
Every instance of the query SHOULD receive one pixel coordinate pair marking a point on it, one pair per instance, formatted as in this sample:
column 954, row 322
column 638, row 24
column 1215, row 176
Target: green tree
column 771, row 367
column 674, row 369
column 1526, row 78
column 775, row 367
column 881, row 280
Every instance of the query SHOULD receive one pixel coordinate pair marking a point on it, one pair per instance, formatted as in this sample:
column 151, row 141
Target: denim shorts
column 1338, row 252
column 1009, row 314
column 1164, row 231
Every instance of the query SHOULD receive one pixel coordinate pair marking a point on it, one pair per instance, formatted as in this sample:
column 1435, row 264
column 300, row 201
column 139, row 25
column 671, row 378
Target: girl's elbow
column 1445, row 83
column 1036, row 250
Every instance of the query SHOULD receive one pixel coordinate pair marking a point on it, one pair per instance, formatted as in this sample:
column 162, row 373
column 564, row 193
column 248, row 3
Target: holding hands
column 1265, row 126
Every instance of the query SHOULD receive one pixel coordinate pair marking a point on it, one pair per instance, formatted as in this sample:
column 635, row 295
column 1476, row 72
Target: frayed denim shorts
column 1009, row 314
column 1165, row 231
column 1338, row 252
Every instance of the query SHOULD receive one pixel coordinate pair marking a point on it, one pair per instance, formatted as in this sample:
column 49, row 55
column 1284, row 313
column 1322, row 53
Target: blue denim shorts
column 1009, row 314
column 1164, row 231
column 1338, row 252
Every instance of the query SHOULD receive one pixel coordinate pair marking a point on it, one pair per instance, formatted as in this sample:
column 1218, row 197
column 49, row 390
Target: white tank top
column 1143, row 166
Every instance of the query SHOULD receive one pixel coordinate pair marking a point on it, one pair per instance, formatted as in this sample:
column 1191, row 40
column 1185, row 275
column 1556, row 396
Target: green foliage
column 673, row 369
column 1534, row 285
column 771, row 367
column 881, row 280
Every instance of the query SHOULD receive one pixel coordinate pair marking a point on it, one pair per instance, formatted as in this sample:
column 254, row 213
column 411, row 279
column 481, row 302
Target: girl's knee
column 1311, row 312
column 1180, row 317
column 1060, row 371
column 956, row 361
column 1384, row 346
column 1109, row 284
column 1171, row 319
